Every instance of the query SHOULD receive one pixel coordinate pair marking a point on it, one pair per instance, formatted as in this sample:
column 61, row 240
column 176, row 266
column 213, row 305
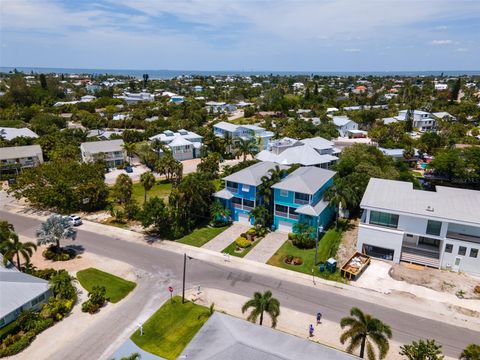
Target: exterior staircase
column 416, row 255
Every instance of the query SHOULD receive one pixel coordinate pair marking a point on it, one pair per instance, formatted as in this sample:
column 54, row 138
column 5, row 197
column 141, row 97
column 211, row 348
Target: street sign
column 170, row 289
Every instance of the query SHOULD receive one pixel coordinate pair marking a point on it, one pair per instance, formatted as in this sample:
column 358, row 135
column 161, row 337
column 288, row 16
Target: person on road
column 310, row 330
column 319, row 318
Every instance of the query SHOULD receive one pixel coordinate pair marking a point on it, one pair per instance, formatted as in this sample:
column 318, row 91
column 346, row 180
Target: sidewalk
column 416, row 301
column 267, row 247
column 222, row 240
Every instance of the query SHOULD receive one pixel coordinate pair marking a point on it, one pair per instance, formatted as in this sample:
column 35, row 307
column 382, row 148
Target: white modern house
column 316, row 151
column 184, row 144
column 422, row 120
column 259, row 134
column 15, row 158
column 344, row 124
column 133, row 98
column 440, row 229
column 220, row 107
column 111, row 151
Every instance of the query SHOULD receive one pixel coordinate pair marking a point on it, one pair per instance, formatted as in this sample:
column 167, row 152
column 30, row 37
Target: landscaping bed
column 200, row 237
column 167, row 332
column 116, row 288
column 245, row 243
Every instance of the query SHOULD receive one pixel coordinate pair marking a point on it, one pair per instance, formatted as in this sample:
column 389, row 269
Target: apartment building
column 15, row 158
column 110, row 151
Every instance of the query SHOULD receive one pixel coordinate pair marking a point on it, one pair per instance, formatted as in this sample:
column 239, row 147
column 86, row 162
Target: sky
column 242, row 35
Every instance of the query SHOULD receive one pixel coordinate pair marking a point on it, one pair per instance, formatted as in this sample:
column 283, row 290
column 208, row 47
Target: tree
column 471, row 352
column 123, row 188
column 260, row 215
column 129, row 149
column 246, row 147
column 13, row 247
column 341, row 197
column 364, row 331
column 147, row 180
column 265, row 189
column 409, row 121
column 422, row 350
column 218, row 212
column 54, row 230
column 155, row 213
column 43, row 81
column 6, row 229
column 262, row 303
column 210, row 165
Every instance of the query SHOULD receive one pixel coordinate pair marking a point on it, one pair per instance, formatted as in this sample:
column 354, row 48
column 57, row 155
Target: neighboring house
column 13, row 133
column 298, row 86
column 240, row 194
column 441, row 87
column 184, row 144
column 307, row 152
column 220, row 107
column 133, row 98
column 87, row 98
column 110, row 151
column 198, row 88
column 344, row 124
column 227, row 337
column 177, row 99
column 422, row 120
column 19, row 292
column 16, row 158
column 443, row 115
column 103, row 134
column 235, row 132
column 438, row 228
column 299, row 198
column 397, row 154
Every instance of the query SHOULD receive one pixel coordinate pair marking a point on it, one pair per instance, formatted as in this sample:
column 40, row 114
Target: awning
column 223, row 194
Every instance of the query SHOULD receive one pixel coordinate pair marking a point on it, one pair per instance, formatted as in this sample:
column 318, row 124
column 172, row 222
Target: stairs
column 421, row 257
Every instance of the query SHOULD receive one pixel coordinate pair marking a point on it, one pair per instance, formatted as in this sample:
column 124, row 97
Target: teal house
column 299, row 198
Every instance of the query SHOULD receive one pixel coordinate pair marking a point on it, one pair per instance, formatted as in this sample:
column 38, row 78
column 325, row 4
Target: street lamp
column 320, row 230
column 184, row 271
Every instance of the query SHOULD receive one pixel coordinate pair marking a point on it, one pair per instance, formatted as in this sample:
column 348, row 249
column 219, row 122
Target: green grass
column 200, row 237
column 230, row 249
column 117, row 288
column 416, row 173
column 327, row 247
column 171, row 328
column 161, row 189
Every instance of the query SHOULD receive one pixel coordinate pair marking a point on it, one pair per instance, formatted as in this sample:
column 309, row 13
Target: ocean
column 168, row 74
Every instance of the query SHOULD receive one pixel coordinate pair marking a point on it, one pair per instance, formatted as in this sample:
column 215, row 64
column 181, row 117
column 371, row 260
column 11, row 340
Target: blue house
column 299, row 198
column 240, row 194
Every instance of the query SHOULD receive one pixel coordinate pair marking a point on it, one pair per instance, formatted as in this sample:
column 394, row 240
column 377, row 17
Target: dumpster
column 332, row 265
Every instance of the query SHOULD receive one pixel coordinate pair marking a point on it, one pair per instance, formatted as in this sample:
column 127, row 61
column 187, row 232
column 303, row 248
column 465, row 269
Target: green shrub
column 56, row 309
column 42, row 324
column 291, row 236
column 303, row 242
column 244, row 235
column 96, row 299
column 251, row 231
column 261, row 231
column 242, row 242
column 44, row 274
column 16, row 343
column 51, row 253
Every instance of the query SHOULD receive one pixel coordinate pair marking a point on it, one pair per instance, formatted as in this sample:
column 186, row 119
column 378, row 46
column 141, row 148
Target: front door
column 456, row 264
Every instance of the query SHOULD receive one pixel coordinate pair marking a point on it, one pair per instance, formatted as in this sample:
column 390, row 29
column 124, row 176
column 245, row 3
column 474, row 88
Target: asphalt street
column 168, row 267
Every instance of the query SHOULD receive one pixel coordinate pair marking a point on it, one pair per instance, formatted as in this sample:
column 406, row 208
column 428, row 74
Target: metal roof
column 305, row 180
column 226, row 337
column 253, row 174
column 223, row 194
column 304, row 155
column 16, row 152
column 102, row 146
column 446, row 203
column 12, row 133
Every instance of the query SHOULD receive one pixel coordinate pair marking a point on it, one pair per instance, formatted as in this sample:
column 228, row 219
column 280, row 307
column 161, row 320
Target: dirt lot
column 348, row 245
column 439, row 280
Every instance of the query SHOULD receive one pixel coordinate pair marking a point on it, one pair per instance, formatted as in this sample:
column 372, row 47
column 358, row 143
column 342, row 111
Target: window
column 434, row 227
column 462, row 250
column 245, row 188
column 473, row 253
column 2, row 322
column 448, row 248
column 248, row 203
column 38, row 299
column 232, row 185
column 284, row 193
column 302, row 198
column 281, row 209
column 236, row 200
column 383, row 219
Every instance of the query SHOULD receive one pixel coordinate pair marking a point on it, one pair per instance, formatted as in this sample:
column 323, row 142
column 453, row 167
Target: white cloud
column 461, row 49
column 441, row 28
column 440, row 42
column 352, row 50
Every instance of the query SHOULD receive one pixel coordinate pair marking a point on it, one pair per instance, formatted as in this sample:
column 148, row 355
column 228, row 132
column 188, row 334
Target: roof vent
column 430, row 208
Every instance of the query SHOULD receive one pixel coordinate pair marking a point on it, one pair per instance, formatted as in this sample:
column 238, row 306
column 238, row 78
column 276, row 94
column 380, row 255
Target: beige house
column 15, row 158
column 111, row 151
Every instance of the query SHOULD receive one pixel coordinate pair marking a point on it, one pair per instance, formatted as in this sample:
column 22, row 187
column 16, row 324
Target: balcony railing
column 281, row 214
column 237, row 206
column 248, row 208
column 232, row 189
column 293, row 216
column 463, row 237
column 300, row 201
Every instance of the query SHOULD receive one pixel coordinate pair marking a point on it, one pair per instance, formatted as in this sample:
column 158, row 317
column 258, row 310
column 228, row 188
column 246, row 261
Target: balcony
column 300, row 201
column 248, row 208
column 463, row 237
column 233, row 190
column 293, row 216
column 281, row 214
column 421, row 254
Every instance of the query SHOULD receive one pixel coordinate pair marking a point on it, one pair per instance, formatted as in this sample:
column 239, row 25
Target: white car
column 75, row 220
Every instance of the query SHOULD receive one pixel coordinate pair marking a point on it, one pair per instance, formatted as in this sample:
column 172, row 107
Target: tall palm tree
column 262, row 303
column 218, row 211
column 129, row 149
column 471, row 352
column 147, row 180
column 13, row 247
column 54, row 230
column 364, row 331
column 341, row 196
column 246, row 147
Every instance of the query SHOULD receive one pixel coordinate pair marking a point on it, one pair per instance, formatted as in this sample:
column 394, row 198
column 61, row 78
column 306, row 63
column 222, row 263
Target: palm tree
column 260, row 215
column 13, row 247
column 341, row 196
column 471, row 352
column 262, row 303
column 129, row 149
column 218, row 211
column 246, row 147
column 134, row 356
column 55, row 229
column 364, row 330
column 147, row 180
column 422, row 350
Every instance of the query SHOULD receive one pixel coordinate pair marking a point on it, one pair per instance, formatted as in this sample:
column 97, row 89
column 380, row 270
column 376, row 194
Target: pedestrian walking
column 310, row 330
column 319, row 318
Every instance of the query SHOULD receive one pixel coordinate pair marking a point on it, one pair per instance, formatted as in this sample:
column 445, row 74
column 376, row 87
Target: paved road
column 302, row 298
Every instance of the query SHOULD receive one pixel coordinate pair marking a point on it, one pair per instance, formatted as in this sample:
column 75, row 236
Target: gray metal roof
column 305, row 180
column 318, row 143
column 18, row 288
column 446, row 203
column 226, row 337
column 223, row 194
column 252, row 175
column 12, row 133
column 16, row 152
column 315, row 210
column 102, row 146
column 304, row 155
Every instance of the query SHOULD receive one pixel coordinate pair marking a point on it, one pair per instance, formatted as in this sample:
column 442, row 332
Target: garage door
column 285, row 226
column 243, row 218
column 379, row 252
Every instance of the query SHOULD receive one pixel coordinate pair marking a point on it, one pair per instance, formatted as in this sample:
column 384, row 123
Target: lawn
column 230, row 249
column 117, row 288
column 161, row 189
column 327, row 247
column 200, row 237
column 171, row 328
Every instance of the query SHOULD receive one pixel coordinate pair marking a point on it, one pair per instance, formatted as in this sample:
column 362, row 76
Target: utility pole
column 320, row 230
column 184, row 270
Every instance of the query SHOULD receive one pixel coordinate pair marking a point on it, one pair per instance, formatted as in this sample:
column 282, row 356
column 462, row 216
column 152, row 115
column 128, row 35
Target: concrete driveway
column 267, row 247
column 221, row 241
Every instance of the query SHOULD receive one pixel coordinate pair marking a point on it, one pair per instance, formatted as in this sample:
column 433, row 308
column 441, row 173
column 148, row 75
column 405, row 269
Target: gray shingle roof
column 252, row 175
column 16, row 152
column 226, row 337
column 102, row 146
column 305, row 180
column 458, row 205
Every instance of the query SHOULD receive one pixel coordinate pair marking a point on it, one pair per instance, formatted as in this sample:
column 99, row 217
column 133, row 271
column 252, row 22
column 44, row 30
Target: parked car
column 128, row 169
column 75, row 220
